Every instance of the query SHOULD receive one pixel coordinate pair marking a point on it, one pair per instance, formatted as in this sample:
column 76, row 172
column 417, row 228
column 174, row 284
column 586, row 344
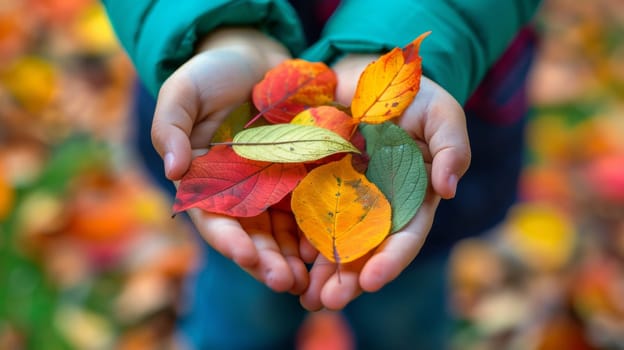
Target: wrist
column 264, row 51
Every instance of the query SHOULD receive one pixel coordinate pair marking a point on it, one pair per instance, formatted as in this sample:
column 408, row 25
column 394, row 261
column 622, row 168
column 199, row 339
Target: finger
column 286, row 236
column 450, row 149
column 285, row 232
column 306, row 250
column 399, row 249
column 173, row 121
column 300, row 275
column 343, row 286
column 321, row 271
column 442, row 123
column 272, row 267
column 226, row 235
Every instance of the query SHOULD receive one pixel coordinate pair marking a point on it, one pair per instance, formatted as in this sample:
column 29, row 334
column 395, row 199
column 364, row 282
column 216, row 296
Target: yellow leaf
column 340, row 212
column 388, row 85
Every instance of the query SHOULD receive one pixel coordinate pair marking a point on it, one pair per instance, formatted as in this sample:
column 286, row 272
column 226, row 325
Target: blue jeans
column 228, row 309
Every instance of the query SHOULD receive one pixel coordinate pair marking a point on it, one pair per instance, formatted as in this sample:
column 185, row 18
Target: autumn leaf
column 387, row 86
column 397, row 167
column 292, row 86
column 360, row 160
column 340, row 212
column 327, row 117
column 289, row 143
column 222, row 182
column 233, row 123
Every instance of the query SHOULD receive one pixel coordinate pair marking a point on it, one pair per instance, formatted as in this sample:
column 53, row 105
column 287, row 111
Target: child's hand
column 196, row 98
column 191, row 105
column 437, row 122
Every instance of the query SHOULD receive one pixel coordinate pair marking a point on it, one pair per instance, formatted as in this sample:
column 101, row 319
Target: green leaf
column 289, row 143
column 397, row 167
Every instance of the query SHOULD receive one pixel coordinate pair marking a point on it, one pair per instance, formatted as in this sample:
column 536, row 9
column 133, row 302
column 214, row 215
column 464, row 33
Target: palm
column 266, row 246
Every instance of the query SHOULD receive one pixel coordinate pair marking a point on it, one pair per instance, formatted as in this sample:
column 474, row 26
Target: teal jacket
column 467, row 36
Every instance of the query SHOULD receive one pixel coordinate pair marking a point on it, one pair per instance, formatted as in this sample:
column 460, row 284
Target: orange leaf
column 292, row 86
column 340, row 212
column 388, row 85
column 327, row 117
column 341, row 123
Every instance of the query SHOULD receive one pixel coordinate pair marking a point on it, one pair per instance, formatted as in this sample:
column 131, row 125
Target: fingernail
column 452, row 182
column 168, row 160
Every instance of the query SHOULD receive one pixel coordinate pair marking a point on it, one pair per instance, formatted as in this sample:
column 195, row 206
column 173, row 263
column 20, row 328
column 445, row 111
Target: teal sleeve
column 467, row 36
column 159, row 36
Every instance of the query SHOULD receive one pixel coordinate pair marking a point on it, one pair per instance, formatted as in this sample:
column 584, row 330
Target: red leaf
column 223, row 182
column 291, row 87
column 360, row 161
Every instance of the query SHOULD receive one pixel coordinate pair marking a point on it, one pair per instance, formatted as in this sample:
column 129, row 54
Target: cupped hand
column 437, row 123
column 191, row 105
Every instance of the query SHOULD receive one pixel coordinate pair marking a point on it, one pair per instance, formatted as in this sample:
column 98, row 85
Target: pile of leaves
column 349, row 175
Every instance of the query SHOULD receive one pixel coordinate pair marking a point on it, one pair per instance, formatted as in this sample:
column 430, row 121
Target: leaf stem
column 231, row 143
column 253, row 120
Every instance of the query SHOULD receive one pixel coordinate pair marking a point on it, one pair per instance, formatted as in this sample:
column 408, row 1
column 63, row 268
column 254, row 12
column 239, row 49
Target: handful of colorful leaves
column 307, row 152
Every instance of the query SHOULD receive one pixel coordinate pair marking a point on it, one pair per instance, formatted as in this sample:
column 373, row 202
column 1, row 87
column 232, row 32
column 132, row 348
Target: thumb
column 173, row 122
column 443, row 126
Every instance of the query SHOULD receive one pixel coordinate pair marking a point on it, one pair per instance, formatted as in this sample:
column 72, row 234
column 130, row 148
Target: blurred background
column 91, row 259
